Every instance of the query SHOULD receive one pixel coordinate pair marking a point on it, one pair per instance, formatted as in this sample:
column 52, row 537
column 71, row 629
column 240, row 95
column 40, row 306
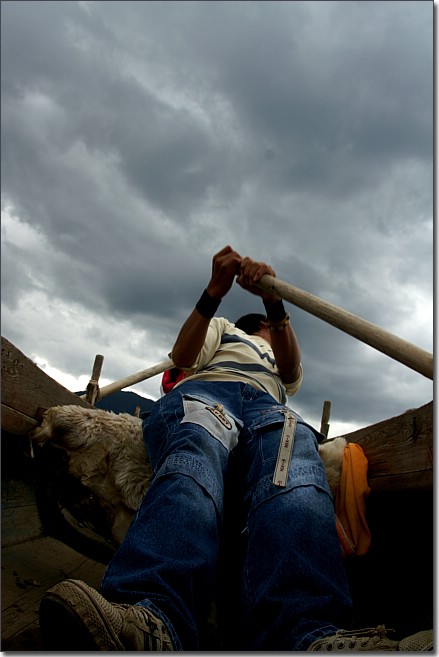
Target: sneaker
column 75, row 617
column 372, row 639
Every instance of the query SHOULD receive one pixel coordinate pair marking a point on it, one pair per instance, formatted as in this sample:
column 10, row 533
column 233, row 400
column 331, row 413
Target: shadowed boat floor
column 28, row 570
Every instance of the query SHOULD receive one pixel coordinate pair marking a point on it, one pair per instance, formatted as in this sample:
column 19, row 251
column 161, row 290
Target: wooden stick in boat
column 326, row 412
column 92, row 392
column 405, row 352
column 134, row 378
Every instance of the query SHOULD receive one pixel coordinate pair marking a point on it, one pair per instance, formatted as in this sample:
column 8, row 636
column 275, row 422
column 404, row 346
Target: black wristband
column 207, row 305
column 275, row 311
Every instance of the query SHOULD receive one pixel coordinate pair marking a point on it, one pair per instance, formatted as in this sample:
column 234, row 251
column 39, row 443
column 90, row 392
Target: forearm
column 287, row 353
column 190, row 340
column 283, row 340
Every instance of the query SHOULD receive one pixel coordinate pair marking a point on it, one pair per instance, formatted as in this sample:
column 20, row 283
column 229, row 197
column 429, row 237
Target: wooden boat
column 47, row 534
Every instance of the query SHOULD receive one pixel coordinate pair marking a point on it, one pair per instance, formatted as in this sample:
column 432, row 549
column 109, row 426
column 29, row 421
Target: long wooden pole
column 405, row 352
column 134, row 378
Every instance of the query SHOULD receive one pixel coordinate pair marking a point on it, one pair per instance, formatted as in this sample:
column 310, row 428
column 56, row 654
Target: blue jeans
column 213, row 448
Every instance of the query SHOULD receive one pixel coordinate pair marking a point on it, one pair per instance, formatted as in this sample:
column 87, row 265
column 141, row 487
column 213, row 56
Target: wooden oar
column 134, row 378
column 405, row 352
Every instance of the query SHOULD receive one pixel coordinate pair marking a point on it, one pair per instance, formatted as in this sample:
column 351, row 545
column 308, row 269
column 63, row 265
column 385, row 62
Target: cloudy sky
column 139, row 138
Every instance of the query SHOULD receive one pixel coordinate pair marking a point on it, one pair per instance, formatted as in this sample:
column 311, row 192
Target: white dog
column 106, row 453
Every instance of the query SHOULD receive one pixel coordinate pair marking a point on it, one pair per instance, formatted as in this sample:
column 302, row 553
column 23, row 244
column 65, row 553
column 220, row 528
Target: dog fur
column 106, row 453
column 331, row 453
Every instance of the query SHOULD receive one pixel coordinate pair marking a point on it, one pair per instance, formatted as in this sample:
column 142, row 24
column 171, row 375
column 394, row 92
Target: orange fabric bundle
column 350, row 502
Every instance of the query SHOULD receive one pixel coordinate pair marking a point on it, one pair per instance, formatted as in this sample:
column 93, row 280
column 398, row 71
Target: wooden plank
column 20, row 524
column 20, row 517
column 16, row 422
column 28, row 570
column 25, row 387
column 399, row 450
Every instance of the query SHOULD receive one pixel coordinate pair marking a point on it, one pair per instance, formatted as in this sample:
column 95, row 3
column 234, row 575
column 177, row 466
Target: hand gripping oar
column 405, row 352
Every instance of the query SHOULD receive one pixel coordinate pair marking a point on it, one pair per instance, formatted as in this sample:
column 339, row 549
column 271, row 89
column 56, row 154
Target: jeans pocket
column 288, row 452
column 266, row 431
column 213, row 417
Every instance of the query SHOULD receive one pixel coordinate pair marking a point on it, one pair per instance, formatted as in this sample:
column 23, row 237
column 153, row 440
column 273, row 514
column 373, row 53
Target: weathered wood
column 16, row 422
column 25, row 387
column 404, row 352
column 28, row 570
column 326, row 412
column 399, row 450
column 92, row 393
column 20, row 517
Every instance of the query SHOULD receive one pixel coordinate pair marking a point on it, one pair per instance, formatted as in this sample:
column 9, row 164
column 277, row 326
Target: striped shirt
column 229, row 354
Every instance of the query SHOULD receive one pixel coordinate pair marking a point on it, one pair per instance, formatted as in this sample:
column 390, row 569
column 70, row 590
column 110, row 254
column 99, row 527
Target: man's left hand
column 249, row 275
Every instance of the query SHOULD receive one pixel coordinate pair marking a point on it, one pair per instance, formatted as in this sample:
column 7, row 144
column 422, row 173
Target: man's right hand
column 225, row 266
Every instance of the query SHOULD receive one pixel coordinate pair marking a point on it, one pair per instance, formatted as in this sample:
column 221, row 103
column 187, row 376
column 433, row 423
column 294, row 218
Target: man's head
column 251, row 323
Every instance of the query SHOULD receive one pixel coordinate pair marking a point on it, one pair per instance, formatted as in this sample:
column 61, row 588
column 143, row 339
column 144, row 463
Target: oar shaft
column 405, row 352
column 134, row 378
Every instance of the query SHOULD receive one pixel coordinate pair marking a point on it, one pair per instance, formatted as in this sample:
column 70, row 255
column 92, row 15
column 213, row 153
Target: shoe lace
column 152, row 628
column 356, row 638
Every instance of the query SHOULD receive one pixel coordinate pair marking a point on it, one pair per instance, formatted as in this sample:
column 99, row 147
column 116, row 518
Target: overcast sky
column 139, row 138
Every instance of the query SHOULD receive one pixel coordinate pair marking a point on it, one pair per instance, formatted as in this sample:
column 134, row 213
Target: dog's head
column 64, row 426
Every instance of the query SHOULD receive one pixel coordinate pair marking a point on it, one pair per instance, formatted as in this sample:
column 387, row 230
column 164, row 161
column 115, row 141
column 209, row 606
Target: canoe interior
column 392, row 584
column 52, row 527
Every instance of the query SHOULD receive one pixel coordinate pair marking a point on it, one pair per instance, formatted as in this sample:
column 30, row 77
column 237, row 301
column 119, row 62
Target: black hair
column 250, row 323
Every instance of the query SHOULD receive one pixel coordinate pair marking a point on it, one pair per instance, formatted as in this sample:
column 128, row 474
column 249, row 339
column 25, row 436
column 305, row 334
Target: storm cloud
column 139, row 138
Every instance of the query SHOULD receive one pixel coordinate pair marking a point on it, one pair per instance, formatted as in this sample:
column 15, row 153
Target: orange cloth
column 350, row 502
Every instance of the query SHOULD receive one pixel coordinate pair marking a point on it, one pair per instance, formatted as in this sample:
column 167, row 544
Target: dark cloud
column 138, row 138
